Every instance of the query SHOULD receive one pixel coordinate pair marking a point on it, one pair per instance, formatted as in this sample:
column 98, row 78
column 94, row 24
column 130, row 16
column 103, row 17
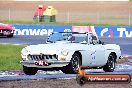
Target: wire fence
column 98, row 17
column 71, row 17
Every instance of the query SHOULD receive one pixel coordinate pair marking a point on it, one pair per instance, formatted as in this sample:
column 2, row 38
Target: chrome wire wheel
column 111, row 62
column 75, row 62
column 73, row 66
column 110, row 65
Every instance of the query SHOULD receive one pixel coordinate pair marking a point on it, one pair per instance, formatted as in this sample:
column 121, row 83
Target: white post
column 38, row 16
column 129, row 18
column 9, row 16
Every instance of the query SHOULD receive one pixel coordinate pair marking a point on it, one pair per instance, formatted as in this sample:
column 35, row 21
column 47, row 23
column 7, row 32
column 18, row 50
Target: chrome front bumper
column 51, row 64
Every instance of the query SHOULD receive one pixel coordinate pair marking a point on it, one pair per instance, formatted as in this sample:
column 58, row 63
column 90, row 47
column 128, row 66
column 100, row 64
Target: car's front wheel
column 10, row 36
column 73, row 66
column 29, row 70
column 110, row 65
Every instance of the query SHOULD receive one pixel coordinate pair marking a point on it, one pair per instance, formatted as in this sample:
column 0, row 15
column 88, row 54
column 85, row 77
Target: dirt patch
column 72, row 6
column 57, row 83
column 123, row 60
column 93, row 12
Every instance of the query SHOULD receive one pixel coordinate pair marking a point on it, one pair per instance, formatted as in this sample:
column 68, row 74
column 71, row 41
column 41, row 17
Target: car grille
column 42, row 57
column 2, row 31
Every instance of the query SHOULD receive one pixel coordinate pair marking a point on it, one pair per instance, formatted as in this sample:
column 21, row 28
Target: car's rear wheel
column 110, row 65
column 73, row 66
column 29, row 70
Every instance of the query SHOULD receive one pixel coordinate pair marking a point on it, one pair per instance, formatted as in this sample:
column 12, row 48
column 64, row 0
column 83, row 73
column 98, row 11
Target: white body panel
column 92, row 55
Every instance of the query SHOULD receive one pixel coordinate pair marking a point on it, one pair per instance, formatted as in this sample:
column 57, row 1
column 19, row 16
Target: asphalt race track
column 24, row 40
column 126, row 68
column 125, row 43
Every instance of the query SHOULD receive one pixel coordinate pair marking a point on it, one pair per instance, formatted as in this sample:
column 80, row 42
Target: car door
column 97, row 52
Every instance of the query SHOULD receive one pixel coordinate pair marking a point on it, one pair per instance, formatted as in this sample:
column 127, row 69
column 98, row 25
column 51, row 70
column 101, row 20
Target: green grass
column 60, row 23
column 10, row 57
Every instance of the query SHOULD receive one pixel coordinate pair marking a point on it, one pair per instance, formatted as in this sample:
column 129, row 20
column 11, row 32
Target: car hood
column 53, row 48
column 5, row 26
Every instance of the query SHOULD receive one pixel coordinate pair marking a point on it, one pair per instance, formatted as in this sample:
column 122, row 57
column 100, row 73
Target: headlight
column 64, row 52
column 24, row 51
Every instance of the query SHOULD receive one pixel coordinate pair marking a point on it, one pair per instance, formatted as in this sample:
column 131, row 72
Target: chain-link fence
column 71, row 17
column 100, row 18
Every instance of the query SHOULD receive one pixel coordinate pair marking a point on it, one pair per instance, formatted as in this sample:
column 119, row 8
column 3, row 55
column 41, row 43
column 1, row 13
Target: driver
column 94, row 39
column 71, row 38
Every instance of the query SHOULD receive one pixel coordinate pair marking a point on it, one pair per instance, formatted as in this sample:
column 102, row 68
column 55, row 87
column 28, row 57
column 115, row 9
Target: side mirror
column 100, row 42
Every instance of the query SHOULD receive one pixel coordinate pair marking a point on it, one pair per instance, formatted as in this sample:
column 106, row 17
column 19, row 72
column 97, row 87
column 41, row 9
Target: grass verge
column 10, row 57
column 60, row 23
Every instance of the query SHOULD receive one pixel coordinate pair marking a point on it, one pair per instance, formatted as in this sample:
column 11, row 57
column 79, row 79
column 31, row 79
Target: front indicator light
column 62, row 59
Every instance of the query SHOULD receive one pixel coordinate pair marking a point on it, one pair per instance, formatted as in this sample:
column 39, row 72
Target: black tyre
column 29, row 70
column 10, row 36
column 110, row 65
column 73, row 66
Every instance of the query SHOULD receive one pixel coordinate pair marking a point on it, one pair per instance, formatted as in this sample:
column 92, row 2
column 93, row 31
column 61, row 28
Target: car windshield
column 64, row 36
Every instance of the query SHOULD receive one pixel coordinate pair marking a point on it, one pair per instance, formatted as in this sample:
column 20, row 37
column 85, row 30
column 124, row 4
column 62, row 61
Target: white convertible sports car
column 67, row 51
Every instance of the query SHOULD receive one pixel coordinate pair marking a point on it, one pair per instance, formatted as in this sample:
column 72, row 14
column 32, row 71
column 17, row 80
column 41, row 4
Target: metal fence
column 98, row 17
column 72, row 17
